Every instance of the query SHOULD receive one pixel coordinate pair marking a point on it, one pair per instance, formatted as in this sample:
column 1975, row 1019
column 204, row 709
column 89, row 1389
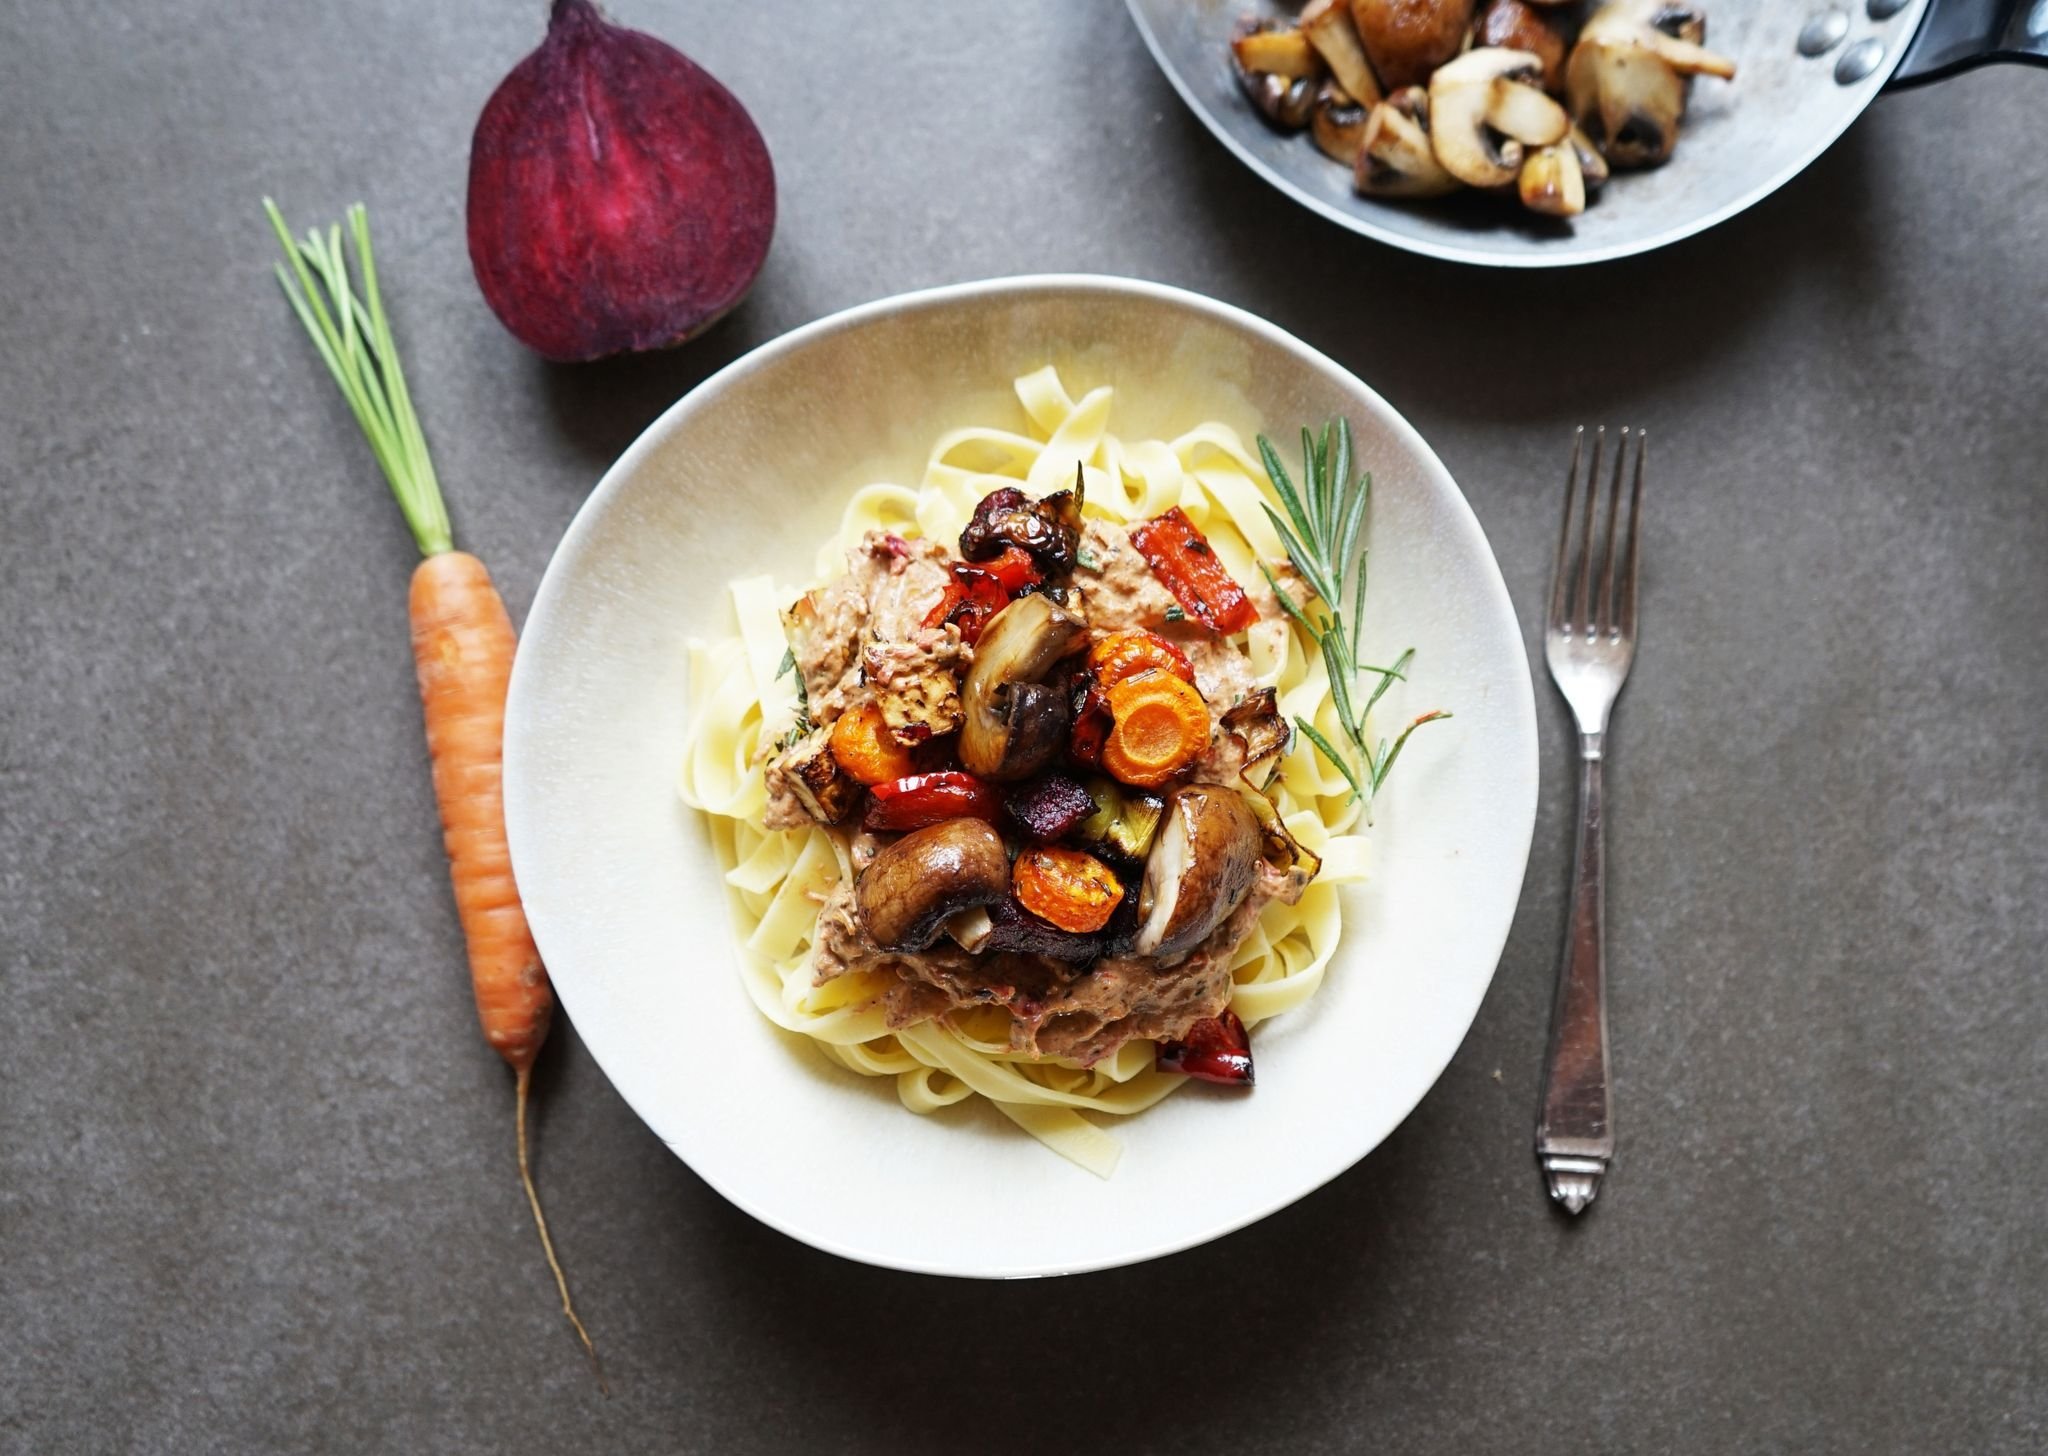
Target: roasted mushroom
column 1395, row 158
column 1015, row 723
column 1592, row 165
column 1483, row 108
column 1626, row 79
column 1049, row 528
column 1201, row 867
column 1408, row 39
column 1551, row 182
column 913, row 887
column 1518, row 25
column 1285, row 96
column 1338, row 124
column 1330, row 29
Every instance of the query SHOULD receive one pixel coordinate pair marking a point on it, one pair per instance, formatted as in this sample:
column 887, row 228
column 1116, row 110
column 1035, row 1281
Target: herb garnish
column 1324, row 533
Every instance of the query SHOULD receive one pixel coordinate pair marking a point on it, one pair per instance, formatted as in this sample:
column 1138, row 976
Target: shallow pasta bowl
column 748, row 473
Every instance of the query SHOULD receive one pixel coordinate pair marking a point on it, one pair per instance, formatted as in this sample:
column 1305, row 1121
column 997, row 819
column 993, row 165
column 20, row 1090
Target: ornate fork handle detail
column 1575, row 1131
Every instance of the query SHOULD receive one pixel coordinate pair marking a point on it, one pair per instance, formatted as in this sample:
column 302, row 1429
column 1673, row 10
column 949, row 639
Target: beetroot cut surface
column 620, row 198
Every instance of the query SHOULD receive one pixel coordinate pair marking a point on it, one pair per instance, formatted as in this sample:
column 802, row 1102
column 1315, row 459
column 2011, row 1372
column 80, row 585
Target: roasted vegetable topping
column 918, row 800
column 1127, row 653
column 1048, row 807
column 1015, row 723
column 1161, row 726
column 1181, row 557
column 1124, row 820
column 970, row 600
column 1049, row 529
column 922, row 880
column 1067, row 888
column 1217, row 1049
column 866, row 749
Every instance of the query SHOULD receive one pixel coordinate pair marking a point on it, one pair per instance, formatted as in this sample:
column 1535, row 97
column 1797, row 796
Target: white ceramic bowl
column 748, row 473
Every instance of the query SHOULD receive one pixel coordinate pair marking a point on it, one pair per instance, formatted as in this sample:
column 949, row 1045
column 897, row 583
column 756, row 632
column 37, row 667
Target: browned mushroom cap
column 1408, row 39
column 1201, row 867
column 1517, row 25
column 1015, row 723
column 1625, row 80
column 915, row 885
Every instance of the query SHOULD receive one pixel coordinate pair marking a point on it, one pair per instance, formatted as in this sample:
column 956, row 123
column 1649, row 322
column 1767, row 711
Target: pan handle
column 1959, row 35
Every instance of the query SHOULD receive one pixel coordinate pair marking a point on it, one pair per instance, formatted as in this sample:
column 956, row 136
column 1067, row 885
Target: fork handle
column 1575, row 1129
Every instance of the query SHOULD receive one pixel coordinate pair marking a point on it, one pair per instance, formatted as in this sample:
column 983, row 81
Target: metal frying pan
column 1740, row 142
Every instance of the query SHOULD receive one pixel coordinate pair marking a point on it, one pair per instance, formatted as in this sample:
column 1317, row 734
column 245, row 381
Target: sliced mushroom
column 906, row 896
column 1626, row 79
column 1201, row 867
column 1518, row 25
column 1331, row 30
column 1591, row 164
column 1014, row 722
column 1408, row 39
column 1276, row 49
column 1339, row 124
column 1552, row 183
column 1395, row 158
column 1483, row 108
column 1285, row 99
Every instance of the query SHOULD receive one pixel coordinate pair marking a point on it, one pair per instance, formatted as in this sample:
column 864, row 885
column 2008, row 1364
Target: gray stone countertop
column 255, row 1181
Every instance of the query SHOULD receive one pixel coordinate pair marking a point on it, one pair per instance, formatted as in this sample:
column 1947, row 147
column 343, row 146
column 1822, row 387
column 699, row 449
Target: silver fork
column 1590, row 643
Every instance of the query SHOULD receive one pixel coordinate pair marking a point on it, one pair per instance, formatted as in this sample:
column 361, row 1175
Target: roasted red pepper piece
column 933, row 798
column 1014, row 569
column 1092, row 722
column 970, row 599
column 1217, row 1049
column 1181, row 557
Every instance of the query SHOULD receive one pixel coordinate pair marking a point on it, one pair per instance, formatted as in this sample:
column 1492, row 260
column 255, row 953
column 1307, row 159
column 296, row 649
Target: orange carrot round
column 1161, row 725
column 462, row 647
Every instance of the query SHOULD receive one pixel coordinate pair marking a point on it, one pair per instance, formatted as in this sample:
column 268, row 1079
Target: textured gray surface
column 255, row 1181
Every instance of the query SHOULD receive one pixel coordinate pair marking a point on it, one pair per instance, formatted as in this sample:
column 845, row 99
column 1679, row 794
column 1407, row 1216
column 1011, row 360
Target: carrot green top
column 354, row 338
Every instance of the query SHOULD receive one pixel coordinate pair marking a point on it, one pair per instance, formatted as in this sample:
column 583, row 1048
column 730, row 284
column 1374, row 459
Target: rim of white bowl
column 518, row 715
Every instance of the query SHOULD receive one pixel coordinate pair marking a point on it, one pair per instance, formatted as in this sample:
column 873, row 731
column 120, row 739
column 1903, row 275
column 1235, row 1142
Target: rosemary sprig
column 1324, row 533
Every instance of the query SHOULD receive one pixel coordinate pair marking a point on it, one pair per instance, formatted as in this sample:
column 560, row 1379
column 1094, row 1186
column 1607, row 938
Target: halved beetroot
column 619, row 197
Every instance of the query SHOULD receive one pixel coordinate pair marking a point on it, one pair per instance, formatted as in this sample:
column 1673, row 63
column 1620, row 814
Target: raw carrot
column 462, row 643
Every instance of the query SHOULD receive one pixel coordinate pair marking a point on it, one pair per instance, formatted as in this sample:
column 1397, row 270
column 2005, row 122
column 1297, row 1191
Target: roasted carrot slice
column 866, row 749
column 1161, row 726
column 1125, row 654
column 1071, row 889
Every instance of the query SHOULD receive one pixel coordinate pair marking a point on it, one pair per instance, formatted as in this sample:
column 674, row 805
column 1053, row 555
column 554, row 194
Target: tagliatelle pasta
column 742, row 700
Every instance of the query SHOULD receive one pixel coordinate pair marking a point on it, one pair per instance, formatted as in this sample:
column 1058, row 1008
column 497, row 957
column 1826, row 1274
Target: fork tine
column 1625, row 622
column 1604, row 623
column 1564, row 537
column 1582, row 611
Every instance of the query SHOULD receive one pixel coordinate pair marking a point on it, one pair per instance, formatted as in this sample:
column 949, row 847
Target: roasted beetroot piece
column 1048, row 807
column 970, row 599
column 619, row 197
column 1049, row 529
column 1013, row 928
column 926, row 799
column 1217, row 1049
